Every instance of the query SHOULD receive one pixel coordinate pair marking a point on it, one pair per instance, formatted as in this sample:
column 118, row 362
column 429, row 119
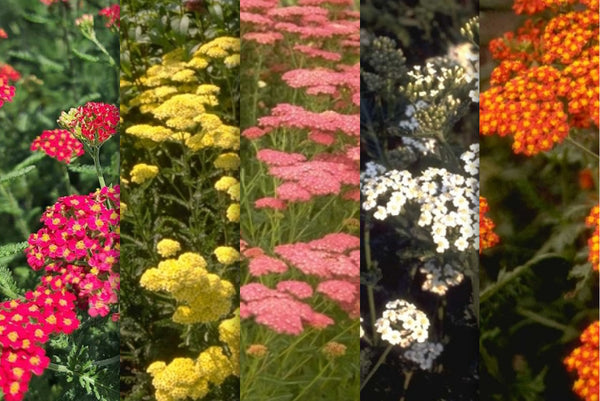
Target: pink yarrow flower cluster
column 334, row 259
column 323, row 33
column 25, row 326
column 58, row 143
column 281, row 309
column 326, row 174
column 78, row 247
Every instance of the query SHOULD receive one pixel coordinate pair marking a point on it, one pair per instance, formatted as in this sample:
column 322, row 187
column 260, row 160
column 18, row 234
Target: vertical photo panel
column 180, row 327
column 539, row 215
column 59, row 200
column 420, row 198
column 299, row 294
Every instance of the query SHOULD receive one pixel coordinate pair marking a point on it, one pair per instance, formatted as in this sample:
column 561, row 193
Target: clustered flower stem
column 370, row 286
column 379, row 362
column 579, row 146
column 489, row 291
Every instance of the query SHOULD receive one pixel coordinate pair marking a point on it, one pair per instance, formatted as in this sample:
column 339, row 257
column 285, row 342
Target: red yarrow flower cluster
column 594, row 222
column 79, row 248
column 25, row 325
column 584, row 360
column 112, row 15
column 58, row 143
column 7, row 92
column 8, row 73
column 547, row 82
column 487, row 237
column 92, row 123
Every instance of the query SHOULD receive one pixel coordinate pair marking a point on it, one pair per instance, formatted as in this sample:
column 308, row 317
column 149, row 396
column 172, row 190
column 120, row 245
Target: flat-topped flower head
column 584, row 360
column 59, row 144
column 402, row 324
column 92, row 123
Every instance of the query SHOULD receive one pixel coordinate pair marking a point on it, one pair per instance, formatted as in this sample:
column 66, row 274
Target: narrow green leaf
column 16, row 173
column 12, row 249
column 85, row 57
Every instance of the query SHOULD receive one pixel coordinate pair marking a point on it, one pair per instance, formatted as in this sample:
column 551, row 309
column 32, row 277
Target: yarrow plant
column 539, row 275
column 180, row 165
column 420, row 227
column 58, row 308
column 300, row 273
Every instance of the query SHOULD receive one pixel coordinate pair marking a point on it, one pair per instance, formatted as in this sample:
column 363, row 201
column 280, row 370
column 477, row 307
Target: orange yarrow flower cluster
column 584, row 360
column 487, row 237
column 593, row 221
column 545, row 66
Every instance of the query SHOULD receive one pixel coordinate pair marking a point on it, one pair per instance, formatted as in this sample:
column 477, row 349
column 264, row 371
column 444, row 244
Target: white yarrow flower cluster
column 423, row 354
column 402, row 324
column 439, row 279
column 411, row 123
column 422, row 146
column 449, row 202
column 466, row 56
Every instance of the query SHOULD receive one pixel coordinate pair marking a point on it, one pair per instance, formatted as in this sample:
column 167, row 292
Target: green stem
column 407, row 377
column 377, row 365
column 536, row 317
column 70, row 188
column 96, row 157
column 314, row 380
column 111, row 61
column 108, row 361
column 581, row 147
column 489, row 291
column 370, row 287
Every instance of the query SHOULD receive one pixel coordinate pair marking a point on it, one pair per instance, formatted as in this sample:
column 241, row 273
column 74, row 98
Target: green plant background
column 60, row 69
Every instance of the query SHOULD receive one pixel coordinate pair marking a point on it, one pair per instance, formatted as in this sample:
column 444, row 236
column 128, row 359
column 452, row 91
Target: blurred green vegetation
column 46, row 48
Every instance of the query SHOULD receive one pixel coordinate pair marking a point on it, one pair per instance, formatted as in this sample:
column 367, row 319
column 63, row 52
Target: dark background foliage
column 421, row 29
column 532, row 322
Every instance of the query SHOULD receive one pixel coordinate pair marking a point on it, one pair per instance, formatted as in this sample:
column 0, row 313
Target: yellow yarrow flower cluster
column 201, row 296
column 233, row 213
column 229, row 333
column 143, row 172
column 186, row 378
column 222, row 47
column 174, row 95
column 167, row 247
column 227, row 255
column 178, row 380
column 228, row 161
column 230, row 185
column 154, row 133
